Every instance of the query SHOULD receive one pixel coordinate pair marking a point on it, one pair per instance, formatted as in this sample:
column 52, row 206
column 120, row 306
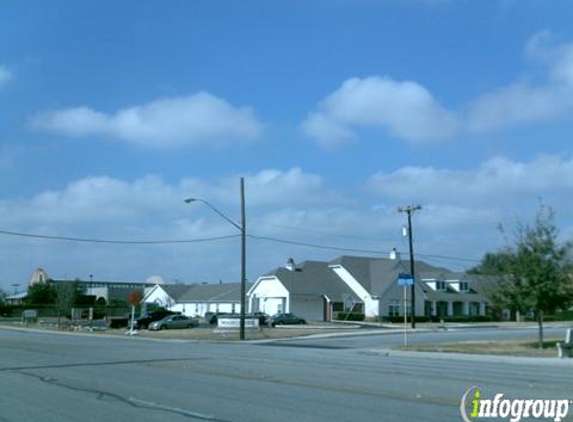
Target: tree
column 41, row 294
column 67, row 292
column 535, row 272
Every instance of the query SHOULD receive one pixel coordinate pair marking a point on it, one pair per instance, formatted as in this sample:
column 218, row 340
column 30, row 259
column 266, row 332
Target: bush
column 400, row 319
column 348, row 316
column 6, row 311
column 564, row 316
column 468, row 318
column 459, row 318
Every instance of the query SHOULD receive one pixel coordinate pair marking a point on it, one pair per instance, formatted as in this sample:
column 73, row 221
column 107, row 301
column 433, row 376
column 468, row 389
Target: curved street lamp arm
column 189, row 200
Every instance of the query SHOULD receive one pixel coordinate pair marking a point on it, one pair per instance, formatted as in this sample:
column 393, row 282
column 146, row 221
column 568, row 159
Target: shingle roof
column 313, row 278
column 376, row 275
column 175, row 291
column 223, row 292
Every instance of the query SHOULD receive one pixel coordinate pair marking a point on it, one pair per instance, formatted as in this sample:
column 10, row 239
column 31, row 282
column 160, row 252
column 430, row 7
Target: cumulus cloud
column 150, row 208
column 5, row 75
column 99, row 199
column 327, row 131
column 407, row 110
column 497, row 180
column 197, row 120
column 525, row 102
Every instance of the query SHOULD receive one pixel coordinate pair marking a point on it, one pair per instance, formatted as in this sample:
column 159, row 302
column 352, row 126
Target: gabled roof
column 222, row 292
column 376, row 275
column 313, row 278
column 175, row 291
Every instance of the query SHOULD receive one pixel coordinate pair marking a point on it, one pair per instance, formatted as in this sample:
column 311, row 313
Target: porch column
column 482, row 308
column 450, row 309
column 465, row 308
column 433, row 310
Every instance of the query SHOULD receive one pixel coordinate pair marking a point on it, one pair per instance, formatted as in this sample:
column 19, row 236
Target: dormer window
column 440, row 285
column 464, row 286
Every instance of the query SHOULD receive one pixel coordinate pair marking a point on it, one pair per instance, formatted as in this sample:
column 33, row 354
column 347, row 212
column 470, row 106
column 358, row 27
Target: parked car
column 212, row 317
column 151, row 316
column 283, row 319
column 173, row 321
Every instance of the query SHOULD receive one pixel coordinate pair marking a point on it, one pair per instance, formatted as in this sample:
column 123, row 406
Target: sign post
column 405, row 280
column 134, row 298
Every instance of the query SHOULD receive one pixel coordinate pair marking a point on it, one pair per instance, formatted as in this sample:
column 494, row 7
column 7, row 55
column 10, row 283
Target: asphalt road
column 52, row 377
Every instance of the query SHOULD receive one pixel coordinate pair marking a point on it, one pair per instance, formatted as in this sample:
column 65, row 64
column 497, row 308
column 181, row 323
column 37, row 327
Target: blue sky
column 336, row 112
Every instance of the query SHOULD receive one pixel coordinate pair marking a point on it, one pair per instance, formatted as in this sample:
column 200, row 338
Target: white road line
column 185, row 412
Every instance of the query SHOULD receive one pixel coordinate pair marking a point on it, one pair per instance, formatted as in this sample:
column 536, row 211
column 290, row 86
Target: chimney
column 394, row 254
column 290, row 265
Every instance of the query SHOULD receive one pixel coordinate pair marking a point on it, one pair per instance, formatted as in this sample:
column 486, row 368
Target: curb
column 501, row 359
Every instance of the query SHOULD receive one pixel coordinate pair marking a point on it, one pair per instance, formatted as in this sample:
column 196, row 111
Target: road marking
column 151, row 405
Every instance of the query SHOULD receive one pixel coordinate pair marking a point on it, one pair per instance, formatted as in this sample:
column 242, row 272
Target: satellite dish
column 155, row 279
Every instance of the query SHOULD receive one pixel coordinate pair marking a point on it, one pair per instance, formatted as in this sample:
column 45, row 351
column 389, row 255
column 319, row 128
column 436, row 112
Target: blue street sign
column 405, row 279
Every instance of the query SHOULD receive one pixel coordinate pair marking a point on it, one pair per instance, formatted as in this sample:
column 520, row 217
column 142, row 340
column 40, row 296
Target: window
column 464, row 286
column 440, row 285
column 233, row 308
column 394, row 308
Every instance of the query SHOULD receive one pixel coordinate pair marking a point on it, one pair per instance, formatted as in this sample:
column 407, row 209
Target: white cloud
column 461, row 210
column 5, row 75
column 150, row 208
column 327, row 131
column 409, row 111
column 524, row 102
column 496, row 181
column 406, row 109
column 100, row 199
column 197, row 120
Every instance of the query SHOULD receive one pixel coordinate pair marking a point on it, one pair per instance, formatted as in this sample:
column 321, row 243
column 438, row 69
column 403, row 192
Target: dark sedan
column 284, row 319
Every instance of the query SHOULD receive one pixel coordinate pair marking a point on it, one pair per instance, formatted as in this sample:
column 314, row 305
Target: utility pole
column 409, row 210
column 243, row 260
column 242, row 227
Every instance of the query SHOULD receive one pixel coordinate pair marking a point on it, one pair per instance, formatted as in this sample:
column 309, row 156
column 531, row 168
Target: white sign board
column 235, row 323
column 30, row 314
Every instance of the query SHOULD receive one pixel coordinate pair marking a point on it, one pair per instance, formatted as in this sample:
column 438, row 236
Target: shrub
column 349, row 316
column 564, row 316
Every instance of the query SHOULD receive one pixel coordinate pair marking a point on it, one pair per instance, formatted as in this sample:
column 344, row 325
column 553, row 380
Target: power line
column 448, row 258
column 217, row 238
column 307, row 230
column 313, row 245
column 115, row 241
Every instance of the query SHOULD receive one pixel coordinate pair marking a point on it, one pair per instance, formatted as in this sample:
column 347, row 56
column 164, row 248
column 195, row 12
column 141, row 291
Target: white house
column 197, row 299
column 310, row 290
column 318, row 290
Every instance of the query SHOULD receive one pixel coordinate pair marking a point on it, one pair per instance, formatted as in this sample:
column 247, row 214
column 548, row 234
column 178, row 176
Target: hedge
column 348, row 316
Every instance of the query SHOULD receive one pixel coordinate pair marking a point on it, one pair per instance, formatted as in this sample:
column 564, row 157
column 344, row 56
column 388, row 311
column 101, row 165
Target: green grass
column 522, row 348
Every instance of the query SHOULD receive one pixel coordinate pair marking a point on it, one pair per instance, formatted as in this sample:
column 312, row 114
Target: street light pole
column 243, row 261
column 409, row 210
column 243, row 229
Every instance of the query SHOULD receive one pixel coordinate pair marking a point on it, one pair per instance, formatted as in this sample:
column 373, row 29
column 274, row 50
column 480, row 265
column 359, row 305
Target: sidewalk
column 501, row 359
